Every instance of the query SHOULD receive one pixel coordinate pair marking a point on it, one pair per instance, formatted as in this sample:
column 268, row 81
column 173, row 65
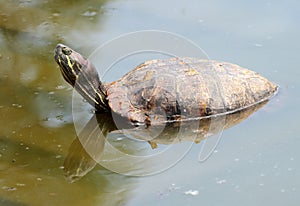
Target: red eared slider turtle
column 166, row 90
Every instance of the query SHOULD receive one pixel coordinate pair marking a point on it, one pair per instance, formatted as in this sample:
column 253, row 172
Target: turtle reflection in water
column 168, row 93
column 80, row 160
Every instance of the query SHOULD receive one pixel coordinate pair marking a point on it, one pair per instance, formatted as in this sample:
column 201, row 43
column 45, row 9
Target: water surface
column 256, row 162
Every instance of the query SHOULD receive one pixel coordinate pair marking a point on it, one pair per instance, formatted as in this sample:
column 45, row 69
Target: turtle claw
column 147, row 121
column 152, row 144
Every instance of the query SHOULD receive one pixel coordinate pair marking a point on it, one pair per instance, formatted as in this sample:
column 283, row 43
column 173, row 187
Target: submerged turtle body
column 167, row 90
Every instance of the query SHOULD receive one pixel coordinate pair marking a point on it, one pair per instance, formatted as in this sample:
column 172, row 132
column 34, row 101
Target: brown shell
column 183, row 88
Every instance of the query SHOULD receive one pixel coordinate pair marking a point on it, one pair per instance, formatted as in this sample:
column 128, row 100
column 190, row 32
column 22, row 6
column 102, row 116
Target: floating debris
column 39, row 179
column 200, row 20
column 58, row 156
column 60, row 117
column 192, row 192
column 17, row 105
column 60, row 87
column 90, row 12
column 236, row 159
column 258, row 45
column 21, row 184
column 56, row 14
column 221, row 181
column 173, row 187
column 9, row 189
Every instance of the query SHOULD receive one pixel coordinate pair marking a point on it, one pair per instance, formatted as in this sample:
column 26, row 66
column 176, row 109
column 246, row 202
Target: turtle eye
column 66, row 51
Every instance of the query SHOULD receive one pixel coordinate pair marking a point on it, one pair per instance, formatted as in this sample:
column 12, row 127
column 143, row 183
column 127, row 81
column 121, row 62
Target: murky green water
column 256, row 162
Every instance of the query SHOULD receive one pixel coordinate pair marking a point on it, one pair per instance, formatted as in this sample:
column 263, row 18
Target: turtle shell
column 184, row 88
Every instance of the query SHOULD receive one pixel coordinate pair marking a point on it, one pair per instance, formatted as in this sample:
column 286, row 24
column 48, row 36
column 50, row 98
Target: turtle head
column 81, row 74
column 71, row 63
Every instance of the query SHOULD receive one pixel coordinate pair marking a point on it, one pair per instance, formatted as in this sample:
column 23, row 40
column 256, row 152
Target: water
column 256, row 161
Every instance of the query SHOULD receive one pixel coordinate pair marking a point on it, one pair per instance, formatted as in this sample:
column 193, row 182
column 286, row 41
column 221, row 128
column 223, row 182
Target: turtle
column 166, row 90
